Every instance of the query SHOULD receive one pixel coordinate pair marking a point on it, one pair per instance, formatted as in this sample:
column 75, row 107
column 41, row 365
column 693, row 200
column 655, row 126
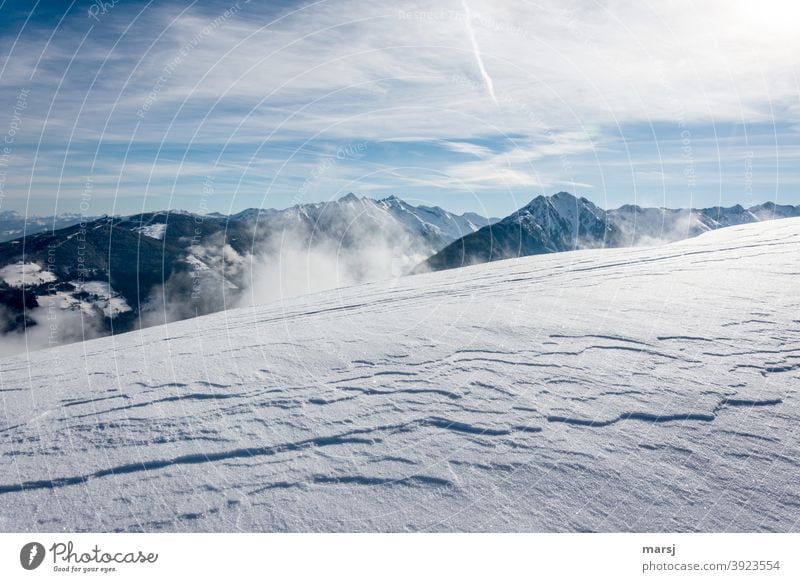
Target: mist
column 290, row 265
column 655, row 226
column 48, row 326
column 212, row 281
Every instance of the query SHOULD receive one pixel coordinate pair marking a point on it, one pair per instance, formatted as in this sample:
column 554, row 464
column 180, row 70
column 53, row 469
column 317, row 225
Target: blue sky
column 477, row 105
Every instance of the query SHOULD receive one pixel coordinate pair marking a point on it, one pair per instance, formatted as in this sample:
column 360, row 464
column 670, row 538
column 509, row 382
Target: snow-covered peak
column 771, row 210
column 432, row 225
column 563, row 221
column 349, row 198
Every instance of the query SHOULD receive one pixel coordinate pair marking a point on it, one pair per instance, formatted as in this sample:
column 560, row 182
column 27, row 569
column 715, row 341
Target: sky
column 476, row 105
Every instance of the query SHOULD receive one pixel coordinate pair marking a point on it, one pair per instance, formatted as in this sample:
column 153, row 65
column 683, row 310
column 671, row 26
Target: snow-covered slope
column 614, row 390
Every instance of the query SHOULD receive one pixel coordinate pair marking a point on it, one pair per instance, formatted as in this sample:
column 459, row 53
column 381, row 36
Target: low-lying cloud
column 48, row 326
column 290, row 265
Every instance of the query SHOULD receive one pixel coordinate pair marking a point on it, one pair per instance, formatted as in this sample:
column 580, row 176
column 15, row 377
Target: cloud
column 476, row 49
column 48, row 326
column 292, row 267
column 236, row 89
column 213, row 280
column 347, row 246
column 385, row 70
column 513, row 163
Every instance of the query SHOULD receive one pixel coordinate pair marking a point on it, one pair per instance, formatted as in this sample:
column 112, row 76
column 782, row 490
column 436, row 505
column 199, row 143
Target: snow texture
column 639, row 389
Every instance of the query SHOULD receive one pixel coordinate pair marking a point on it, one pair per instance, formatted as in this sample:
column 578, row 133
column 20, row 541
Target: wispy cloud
column 254, row 93
column 476, row 49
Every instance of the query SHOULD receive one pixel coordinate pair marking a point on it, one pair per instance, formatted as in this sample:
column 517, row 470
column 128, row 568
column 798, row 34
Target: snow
column 419, row 219
column 113, row 306
column 103, row 297
column 389, row 213
column 66, row 301
column 156, row 231
column 99, row 288
column 25, row 274
column 639, row 389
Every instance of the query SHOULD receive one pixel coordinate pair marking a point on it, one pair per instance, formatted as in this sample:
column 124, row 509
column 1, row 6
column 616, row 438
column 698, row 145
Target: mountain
column 563, row 222
column 119, row 273
column 636, row 389
column 14, row 225
column 648, row 225
column 432, row 221
column 434, row 227
column 547, row 224
column 105, row 269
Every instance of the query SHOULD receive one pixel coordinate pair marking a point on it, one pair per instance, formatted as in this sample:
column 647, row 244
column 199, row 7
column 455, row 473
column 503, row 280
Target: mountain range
column 15, row 225
column 563, row 222
column 114, row 274
column 120, row 273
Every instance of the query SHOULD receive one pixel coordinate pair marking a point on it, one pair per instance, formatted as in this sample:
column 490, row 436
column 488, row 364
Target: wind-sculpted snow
column 649, row 389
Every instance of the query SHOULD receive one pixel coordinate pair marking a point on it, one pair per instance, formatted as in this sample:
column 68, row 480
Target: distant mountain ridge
column 15, row 225
column 432, row 222
column 120, row 273
column 563, row 222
